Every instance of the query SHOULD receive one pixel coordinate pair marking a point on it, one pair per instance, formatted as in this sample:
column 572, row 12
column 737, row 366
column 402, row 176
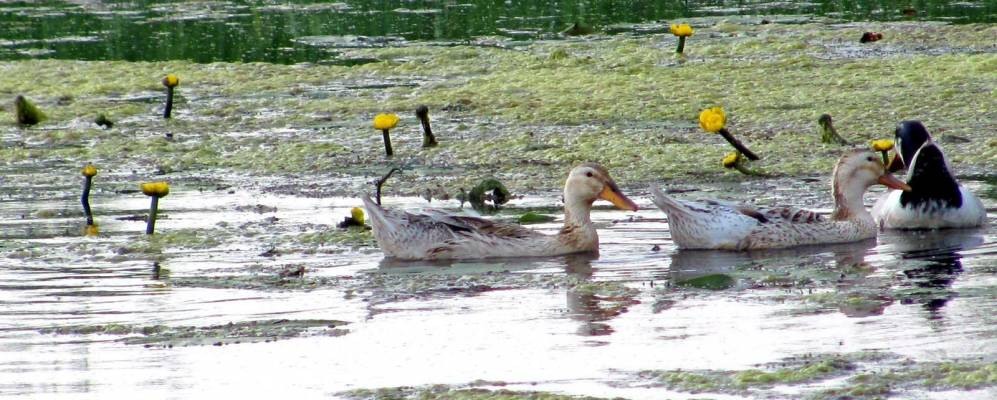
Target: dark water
column 272, row 31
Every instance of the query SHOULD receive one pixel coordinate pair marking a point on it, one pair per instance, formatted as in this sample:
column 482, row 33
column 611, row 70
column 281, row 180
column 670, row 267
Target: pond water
column 85, row 317
column 313, row 31
column 249, row 289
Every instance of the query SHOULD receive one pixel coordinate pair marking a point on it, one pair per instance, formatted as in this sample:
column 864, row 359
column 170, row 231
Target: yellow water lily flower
column 882, row 144
column 731, row 159
column 357, row 214
column 712, row 119
column 157, row 189
column 683, row 30
column 385, row 121
column 171, row 80
column 89, row 170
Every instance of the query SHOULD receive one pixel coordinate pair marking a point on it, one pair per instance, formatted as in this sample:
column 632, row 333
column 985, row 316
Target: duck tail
column 667, row 204
column 376, row 212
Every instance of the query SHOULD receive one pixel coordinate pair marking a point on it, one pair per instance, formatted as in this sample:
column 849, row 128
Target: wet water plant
column 428, row 140
column 714, row 120
column 827, row 132
column 380, row 182
column 170, row 81
column 734, row 160
column 384, row 123
column 26, row 113
column 883, row 146
column 682, row 31
column 155, row 190
column 356, row 219
column 488, row 189
column 103, row 121
column 88, row 171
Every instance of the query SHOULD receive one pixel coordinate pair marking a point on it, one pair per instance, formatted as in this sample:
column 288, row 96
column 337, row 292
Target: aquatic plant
column 170, row 81
column 103, row 121
column 734, row 160
column 682, row 31
column 385, row 122
column 491, row 189
column 88, row 171
column 155, row 190
column 27, row 113
column 356, row 218
column 380, row 182
column 428, row 140
column 827, row 132
column 883, row 146
column 714, row 120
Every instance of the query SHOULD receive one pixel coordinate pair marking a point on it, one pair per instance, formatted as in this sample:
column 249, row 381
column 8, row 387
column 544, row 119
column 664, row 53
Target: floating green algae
column 446, row 392
column 709, row 282
column 231, row 333
column 622, row 101
column 804, row 369
column 935, row 376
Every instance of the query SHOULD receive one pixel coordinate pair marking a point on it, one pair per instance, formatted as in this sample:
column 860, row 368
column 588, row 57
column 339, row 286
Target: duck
column 436, row 235
column 936, row 200
column 715, row 224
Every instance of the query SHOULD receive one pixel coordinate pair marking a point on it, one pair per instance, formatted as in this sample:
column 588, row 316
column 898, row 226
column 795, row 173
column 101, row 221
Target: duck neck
column 848, row 203
column 578, row 233
column 576, row 213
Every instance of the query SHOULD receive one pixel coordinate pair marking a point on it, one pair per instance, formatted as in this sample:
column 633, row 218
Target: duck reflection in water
column 587, row 304
column 931, row 261
column 791, row 269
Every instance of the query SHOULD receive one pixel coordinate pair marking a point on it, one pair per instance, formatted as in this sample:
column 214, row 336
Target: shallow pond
column 121, row 314
column 318, row 31
column 248, row 288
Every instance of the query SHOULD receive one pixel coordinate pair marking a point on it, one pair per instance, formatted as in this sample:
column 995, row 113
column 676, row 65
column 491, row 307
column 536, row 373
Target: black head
column 422, row 112
column 930, row 180
column 910, row 136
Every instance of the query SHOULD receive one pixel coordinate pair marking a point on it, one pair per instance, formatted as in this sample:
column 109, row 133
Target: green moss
column 444, row 392
column 246, row 331
column 710, row 282
column 622, row 101
column 166, row 239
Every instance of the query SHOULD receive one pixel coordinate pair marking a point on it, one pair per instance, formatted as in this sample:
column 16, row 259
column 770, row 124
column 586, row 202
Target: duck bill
column 895, row 164
column 612, row 194
column 892, row 182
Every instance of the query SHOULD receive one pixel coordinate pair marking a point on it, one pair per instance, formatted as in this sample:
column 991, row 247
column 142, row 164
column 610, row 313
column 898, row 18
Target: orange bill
column 612, row 194
column 892, row 182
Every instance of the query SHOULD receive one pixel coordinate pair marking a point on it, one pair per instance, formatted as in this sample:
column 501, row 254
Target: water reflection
column 931, row 261
column 691, row 264
column 239, row 30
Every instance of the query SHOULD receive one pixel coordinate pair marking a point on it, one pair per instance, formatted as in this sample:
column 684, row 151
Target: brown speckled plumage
column 437, row 235
column 714, row 224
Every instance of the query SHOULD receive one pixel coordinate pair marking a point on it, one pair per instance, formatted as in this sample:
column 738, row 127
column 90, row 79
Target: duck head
column 855, row 172
column 928, row 173
column 910, row 136
column 589, row 182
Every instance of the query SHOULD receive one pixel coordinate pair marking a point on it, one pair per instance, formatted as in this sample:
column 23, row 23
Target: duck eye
column 869, row 159
column 588, row 174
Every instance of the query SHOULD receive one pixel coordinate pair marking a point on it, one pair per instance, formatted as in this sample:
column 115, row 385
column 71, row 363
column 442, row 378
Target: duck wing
column 436, row 234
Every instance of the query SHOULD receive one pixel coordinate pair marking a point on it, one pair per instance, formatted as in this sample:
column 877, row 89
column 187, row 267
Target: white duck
column 437, row 235
column 713, row 224
column 936, row 200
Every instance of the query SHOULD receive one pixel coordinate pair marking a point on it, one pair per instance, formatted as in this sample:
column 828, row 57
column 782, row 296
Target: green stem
column 681, row 46
column 153, row 210
column 387, row 143
column 85, row 199
column 738, row 145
